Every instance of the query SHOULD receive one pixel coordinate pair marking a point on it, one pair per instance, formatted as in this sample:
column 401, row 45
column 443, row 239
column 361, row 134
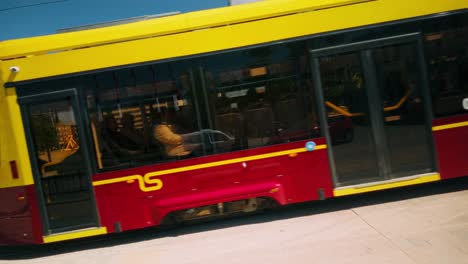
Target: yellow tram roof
column 199, row 32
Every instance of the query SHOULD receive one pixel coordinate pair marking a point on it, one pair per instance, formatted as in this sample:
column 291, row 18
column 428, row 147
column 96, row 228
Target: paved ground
column 421, row 224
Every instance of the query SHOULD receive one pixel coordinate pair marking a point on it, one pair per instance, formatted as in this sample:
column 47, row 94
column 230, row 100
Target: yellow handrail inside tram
column 386, row 109
column 400, row 103
column 341, row 110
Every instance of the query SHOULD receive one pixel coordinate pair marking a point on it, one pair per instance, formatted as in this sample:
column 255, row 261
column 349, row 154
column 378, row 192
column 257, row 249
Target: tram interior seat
column 290, row 113
column 259, row 122
column 232, row 123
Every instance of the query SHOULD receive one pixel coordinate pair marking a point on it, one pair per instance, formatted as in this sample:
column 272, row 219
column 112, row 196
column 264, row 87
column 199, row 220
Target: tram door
column 59, row 161
column 376, row 107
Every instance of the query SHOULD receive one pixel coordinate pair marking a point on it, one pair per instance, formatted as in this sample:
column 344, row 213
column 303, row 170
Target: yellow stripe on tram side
column 238, row 160
column 143, row 181
column 386, row 185
column 449, row 126
column 147, row 179
column 75, row 234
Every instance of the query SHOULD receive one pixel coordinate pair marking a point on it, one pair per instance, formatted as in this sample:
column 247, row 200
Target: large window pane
column 128, row 106
column 260, row 96
column 404, row 117
column 447, row 52
column 349, row 121
column 63, row 177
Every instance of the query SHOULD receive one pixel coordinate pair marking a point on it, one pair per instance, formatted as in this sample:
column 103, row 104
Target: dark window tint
column 403, row 110
column 59, row 158
column 260, row 97
column 142, row 115
column 447, row 55
column 348, row 116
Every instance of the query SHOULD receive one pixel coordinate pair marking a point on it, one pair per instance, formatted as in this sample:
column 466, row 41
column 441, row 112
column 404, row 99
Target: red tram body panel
column 285, row 177
column 451, row 142
column 19, row 216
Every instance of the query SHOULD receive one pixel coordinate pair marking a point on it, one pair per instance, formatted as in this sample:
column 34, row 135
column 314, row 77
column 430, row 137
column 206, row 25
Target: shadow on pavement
column 297, row 210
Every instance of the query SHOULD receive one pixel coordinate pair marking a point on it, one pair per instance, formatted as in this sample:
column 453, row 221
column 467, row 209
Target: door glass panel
column 349, row 127
column 405, row 123
column 63, row 173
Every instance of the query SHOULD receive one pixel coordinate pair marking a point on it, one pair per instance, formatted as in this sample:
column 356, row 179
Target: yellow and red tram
column 228, row 110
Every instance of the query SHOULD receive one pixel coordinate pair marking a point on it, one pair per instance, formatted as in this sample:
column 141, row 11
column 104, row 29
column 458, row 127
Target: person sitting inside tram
column 175, row 144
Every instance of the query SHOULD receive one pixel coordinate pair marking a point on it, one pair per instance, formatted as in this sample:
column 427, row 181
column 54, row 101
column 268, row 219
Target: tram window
column 55, row 138
column 126, row 106
column 448, row 69
column 260, row 97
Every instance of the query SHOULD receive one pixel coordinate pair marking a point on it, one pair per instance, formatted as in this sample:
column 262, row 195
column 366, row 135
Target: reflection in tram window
column 125, row 107
column 349, row 125
column 247, row 99
column 261, row 96
column 447, row 55
column 55, row 138
column 345, row 96
column 59, row 159
column 403, row 110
